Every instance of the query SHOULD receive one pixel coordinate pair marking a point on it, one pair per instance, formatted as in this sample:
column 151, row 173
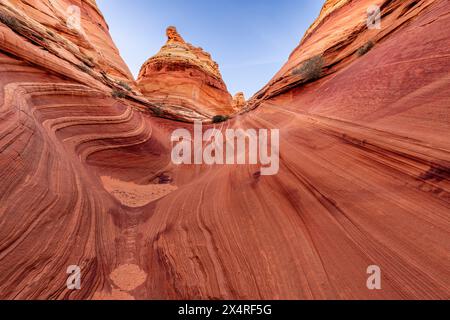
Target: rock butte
column 364, row 171
column 184, row 76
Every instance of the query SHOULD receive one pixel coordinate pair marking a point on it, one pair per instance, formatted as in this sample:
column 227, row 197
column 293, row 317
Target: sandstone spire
column 88, row 180
column 183, row 76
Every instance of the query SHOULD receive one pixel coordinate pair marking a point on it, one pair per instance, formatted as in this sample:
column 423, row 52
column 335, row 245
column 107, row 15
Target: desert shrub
column 219, row 118
column 117, row 93
column 311, row 69
column 365, row 48
column 125, row 85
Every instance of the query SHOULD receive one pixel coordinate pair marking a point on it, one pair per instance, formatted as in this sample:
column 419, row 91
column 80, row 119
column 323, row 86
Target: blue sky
column 250, row 39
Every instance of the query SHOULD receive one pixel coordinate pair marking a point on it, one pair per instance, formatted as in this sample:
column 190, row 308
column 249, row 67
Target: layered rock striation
column 338, row 38
column 239, row 101
column 71, row 38
column 61, row 36
column 87, row 179
column 183, row 76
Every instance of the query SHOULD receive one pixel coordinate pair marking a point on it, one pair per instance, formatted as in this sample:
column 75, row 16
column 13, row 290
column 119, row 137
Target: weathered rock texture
column 238, row 101
column 46, row 34
column 184, row 76
column 52, row 26
column 87, row 180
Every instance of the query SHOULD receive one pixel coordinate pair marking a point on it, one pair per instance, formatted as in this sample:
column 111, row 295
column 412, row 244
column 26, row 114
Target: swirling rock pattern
column 52, row 24
column 363, row 180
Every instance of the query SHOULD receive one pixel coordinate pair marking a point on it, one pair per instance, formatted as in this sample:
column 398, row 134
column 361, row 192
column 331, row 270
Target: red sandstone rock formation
column 184, row 76
column 238, row 101
column 48, row 35
column 364, row 174
column 53, row 27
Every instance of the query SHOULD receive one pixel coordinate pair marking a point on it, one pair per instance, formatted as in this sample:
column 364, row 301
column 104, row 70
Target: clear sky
column 250, row 39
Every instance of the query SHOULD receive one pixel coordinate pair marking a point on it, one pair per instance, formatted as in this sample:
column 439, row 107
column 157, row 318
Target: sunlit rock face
column 185, row 76
column 338, row 36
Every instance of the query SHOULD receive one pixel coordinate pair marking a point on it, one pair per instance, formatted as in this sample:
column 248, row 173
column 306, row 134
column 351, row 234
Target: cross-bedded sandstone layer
column 363, row 180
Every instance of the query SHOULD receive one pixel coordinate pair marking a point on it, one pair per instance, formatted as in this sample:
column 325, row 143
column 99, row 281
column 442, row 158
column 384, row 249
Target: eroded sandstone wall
column 185, row 76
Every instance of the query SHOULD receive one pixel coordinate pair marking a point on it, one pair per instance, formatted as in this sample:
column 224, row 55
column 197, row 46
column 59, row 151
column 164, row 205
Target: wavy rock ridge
column 364, row 172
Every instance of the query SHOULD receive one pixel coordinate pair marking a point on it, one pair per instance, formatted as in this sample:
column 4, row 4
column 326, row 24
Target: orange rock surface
column 183, row 76
column 363, row 180
column 48, row 34
column 53, row 26
column 238, row 101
